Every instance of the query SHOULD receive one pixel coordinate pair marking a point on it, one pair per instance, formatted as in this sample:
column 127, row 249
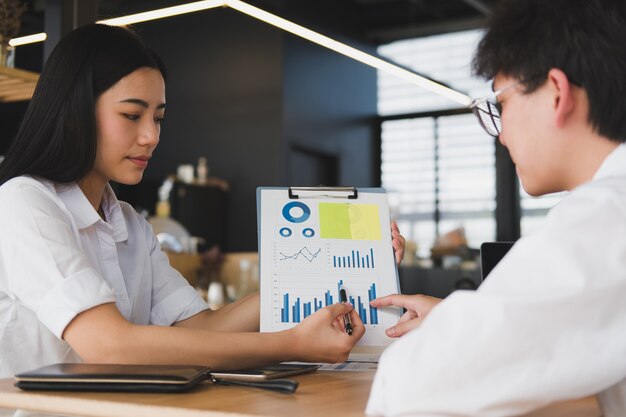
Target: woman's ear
column 563, row 100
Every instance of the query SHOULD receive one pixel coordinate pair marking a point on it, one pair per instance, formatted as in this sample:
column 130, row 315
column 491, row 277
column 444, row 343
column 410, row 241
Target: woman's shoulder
column 26, row 185
column 129, row 212
column 25, row 194
column 133, row 218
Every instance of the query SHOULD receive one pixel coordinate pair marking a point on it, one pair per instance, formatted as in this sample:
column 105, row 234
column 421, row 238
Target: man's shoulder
column 602, row 197
column 608, row 189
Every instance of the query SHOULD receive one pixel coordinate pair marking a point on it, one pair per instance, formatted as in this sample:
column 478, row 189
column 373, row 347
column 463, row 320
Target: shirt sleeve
column 42, row 259
column 173, row 299
column 547, row 325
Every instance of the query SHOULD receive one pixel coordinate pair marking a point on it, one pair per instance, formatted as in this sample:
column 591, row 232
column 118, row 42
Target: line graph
column 299, row 258
column 305, row 252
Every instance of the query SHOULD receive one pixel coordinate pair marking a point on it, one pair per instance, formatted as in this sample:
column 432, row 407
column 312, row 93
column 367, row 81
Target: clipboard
column 313, row 240
column 351, row 193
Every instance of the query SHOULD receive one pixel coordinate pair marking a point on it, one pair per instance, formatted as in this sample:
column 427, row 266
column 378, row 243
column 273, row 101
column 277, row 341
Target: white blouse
column 58, row 258
column 548, row 324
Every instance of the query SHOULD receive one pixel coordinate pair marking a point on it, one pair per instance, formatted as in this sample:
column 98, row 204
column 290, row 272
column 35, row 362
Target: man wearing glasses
column 549, row 324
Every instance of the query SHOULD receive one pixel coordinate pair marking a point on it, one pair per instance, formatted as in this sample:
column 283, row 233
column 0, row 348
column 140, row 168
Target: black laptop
column 490, row 254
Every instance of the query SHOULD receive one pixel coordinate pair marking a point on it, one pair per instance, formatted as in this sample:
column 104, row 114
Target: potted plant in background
column 10, row 22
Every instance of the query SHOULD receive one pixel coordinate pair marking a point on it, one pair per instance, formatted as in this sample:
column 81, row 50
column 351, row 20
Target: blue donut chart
column 306, row 212
column 308, row 232
column 285, row 232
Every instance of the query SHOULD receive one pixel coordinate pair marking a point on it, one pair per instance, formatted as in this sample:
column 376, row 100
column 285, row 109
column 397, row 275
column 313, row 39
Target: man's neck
column 586, row 158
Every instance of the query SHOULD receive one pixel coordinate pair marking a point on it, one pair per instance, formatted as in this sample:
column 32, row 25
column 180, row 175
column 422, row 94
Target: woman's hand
column 417, row 308
column 397, row 241
column 322, row 337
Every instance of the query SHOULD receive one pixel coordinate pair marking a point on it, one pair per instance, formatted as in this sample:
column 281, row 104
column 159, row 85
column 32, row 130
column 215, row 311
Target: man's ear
column 563, row 99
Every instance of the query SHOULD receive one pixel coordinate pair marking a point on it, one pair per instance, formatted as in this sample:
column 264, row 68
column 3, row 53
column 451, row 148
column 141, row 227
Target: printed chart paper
column 309, row 247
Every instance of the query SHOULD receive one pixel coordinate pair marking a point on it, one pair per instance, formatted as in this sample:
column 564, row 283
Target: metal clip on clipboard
column 328, row 192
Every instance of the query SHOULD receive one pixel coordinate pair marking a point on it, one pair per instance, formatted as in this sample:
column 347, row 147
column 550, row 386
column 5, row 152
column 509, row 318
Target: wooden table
column 320, row 394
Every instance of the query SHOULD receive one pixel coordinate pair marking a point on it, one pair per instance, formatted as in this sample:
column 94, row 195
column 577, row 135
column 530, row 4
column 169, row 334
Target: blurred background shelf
column 16, row 84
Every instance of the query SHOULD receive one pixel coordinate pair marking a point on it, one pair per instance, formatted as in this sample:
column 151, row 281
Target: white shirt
column 548, row 324
column 59, row 258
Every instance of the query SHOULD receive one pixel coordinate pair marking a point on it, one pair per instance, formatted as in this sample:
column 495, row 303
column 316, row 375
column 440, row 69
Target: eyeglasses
column 488, row 109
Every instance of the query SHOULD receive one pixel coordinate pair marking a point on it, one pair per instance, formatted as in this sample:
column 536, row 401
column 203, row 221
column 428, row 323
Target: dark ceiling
column 368, row 21
column 383, row 21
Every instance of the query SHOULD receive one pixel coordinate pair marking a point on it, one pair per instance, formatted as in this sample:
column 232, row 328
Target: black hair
column 586, row 39
column 57, row 137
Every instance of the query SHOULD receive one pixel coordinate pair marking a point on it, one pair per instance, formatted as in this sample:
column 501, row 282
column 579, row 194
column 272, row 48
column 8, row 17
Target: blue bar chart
column 355, row 259
column 294, row 309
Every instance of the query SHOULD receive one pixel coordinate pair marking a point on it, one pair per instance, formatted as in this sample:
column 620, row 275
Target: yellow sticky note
column 334, row 221
column 349, row 221
column 364, row 222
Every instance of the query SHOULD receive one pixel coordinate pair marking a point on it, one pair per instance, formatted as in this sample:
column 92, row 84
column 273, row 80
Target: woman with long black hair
column 82, row 276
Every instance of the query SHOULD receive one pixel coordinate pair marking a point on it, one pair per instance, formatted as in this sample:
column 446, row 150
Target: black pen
column 346, row 319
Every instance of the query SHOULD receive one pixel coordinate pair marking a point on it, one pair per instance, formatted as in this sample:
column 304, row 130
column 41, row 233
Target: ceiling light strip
column 285, row 25
column 25, row 40
column 349, row 51
column 134, row 18
column 165, row 12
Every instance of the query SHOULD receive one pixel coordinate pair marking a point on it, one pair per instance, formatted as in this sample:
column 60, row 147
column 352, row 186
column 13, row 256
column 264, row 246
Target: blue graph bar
column 301, row 310
column 296, row 311
column 361, row 310
column 355, row 260
column 373, row 311
column 285, row 310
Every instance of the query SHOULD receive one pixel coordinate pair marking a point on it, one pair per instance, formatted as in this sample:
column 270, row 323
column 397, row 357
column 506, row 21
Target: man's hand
column 417, row 308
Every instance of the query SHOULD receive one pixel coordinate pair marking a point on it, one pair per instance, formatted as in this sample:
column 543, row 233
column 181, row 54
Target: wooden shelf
column 16, row 84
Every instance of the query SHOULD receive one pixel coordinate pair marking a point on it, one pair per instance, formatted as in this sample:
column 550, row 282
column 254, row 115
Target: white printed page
column 309, row 247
